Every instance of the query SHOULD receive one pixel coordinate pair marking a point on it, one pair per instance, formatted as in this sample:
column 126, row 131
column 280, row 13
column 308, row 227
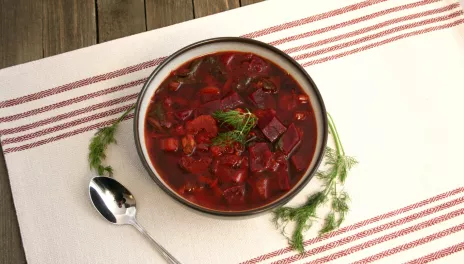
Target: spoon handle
column 169, row 258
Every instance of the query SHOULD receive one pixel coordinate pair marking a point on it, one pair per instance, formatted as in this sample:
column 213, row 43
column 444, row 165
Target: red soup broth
column 180, row 127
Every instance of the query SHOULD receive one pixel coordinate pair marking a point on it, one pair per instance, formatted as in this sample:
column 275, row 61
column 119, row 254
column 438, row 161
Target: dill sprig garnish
column 241, row 122
column 305, row 215
column 99, row 143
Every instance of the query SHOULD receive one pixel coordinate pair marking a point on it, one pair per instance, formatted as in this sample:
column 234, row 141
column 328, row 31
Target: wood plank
column 209, row 7
column 20, row 41
column 249, row 2
column 162, row 13
column 120, row 18
column 11, row 249
column 68, row 25
column 20, row 31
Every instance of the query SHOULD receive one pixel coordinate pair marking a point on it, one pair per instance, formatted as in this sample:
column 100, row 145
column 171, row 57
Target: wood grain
column 161, row 13
column 20, row 31
column 120, row 18
column 20, row 41
column 209, row 7
column 249, row 2
column 68, row 25
column 11, row 249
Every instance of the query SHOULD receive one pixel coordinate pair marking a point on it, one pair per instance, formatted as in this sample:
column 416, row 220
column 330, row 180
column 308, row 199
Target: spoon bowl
column 112, row 200
column 117, row 205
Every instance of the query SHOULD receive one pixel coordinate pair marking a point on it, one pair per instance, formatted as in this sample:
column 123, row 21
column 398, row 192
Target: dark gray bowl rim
column 259, row 210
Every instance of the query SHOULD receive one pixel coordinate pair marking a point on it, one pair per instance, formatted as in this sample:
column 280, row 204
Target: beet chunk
column 230, row 175
column 283, row 178
column 208, row 108
column 260, row 157
column 274, row 129
column 289, row 139
column 269, row 124
column 264, row 117
column 299, row 162
column 235, row 195
column 195, row 166
column 231, row 101
column 262, row 99
column 262, row 187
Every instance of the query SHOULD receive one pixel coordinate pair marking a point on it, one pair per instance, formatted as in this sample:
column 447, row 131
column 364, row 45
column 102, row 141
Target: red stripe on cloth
column 372, row 231
column 157, row 61
column 383, row 42
column 438, row 254
column 80, row 83
column 322, row 59
column 313, row 18
column 351, row 22
column 412, row 244
column 359, row 225
column 375, row 36
column 371, row 28
column 73, row 123
column 68, row 115
column 71, row 101
column 65, row 135
column 385, row 238
column 29, row 113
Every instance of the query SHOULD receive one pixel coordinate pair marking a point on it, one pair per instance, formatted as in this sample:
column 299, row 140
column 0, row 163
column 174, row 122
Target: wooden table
column 35, row 29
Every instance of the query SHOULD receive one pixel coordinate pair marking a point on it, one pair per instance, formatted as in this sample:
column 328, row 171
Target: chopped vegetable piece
column 229, row 175
column 203, row 122
column 203, row 137
column 264, row 117
column 209, row 108
column 232, row 101
column 274, row 129
column 174, row 86
column 258, row 66
column 300, row 115
column 303, row 98
column 235, row 195
column 217, row 151
column 188, row 144
column 262, row 187
column 179, row 130
column 169, row 144
column 209, row 93
column 260, row 157
column 262, row 99
column 289, row 139
column 195, row 166
column 287, row 101
column 278, row 160
column 203, row 147
column 299, row 161
column 283, row 178
column 154, row 123
column 184, row 114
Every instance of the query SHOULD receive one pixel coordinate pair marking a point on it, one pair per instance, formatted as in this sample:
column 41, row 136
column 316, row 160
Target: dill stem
column 124, row 115
column 334, row 131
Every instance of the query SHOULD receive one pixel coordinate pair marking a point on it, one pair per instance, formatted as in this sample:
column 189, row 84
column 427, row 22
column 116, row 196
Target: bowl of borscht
column 230, row 126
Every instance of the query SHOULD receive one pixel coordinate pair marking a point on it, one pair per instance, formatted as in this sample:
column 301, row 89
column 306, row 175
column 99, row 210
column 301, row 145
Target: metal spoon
column 117, row 205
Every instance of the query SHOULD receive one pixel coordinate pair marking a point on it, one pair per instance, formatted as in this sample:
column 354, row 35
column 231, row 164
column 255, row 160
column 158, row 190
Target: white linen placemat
column 391, row 73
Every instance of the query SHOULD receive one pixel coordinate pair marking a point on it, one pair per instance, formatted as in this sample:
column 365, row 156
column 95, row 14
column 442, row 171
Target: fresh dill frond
column 100, row 142
column 241, row 122
column 304, row 216
column 227, row 138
